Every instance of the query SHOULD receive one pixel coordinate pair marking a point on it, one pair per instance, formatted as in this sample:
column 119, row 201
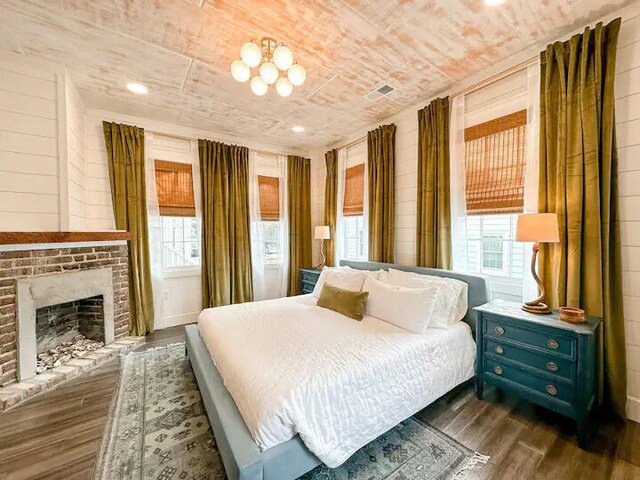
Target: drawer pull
column 552, row 367
column 553, row 344
column 499, row 350
column 499, row 330
column 497, row 370
column 551, row 390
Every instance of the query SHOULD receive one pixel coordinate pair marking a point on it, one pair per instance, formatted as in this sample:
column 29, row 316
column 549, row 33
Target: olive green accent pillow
column 346, row 302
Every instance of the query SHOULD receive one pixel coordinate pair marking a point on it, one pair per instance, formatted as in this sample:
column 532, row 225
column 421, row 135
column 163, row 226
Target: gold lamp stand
column 536, row 228
column 537, row 305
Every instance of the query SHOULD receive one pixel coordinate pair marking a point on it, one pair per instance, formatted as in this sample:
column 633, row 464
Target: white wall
column 41, row 147
column 628, row 138
column 29, row 190
column 76, row 166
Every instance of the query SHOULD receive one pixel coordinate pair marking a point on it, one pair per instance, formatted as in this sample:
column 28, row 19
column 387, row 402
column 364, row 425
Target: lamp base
column 540, row 308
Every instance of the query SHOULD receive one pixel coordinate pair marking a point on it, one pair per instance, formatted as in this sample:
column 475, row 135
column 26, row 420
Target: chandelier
column 276, row 66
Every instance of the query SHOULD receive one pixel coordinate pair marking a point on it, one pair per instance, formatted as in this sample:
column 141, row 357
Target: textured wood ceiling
column 182, row 50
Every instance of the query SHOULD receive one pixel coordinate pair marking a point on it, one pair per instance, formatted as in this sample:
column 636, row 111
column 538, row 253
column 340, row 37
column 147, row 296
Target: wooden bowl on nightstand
column 572, row 314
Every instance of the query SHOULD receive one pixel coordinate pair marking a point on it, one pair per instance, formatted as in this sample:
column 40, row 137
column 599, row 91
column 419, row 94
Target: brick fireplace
column 37, row 268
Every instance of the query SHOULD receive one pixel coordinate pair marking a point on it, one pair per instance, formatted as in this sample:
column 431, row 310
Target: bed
column 310, row 385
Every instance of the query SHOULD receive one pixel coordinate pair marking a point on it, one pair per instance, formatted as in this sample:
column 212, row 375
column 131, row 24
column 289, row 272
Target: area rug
column 158, row 429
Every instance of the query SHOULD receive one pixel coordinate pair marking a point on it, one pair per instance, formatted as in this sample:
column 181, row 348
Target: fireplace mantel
column 18, row 241
column 15, row 238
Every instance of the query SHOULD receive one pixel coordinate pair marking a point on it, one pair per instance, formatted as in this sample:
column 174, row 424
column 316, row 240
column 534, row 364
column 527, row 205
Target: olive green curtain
column 331, row 203
column 433, row 233
column 226, row 243
column 380, row 168
column 299, row 198
column 125, row 157
column 578, row 181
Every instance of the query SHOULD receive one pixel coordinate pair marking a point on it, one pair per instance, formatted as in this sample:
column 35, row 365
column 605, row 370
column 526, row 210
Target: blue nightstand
column 539, row 358
column 308, row 279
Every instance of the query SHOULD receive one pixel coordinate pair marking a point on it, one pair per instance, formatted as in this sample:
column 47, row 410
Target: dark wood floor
column 56, row 435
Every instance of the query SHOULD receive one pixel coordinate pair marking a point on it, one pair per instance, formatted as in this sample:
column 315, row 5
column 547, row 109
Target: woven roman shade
column 174, row 186
column 269, row 197
column 495, row 162
column 354, row 191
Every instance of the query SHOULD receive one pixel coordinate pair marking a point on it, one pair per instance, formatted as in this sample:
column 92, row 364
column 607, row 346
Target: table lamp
column 537, row 228
column 322, row 234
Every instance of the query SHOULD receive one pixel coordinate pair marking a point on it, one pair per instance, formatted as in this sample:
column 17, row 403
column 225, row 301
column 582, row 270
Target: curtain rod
column 496, row 77
column 355, row 142
column 182, row 137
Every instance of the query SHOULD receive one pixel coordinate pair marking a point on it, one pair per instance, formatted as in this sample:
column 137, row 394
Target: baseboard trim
column 633, row 409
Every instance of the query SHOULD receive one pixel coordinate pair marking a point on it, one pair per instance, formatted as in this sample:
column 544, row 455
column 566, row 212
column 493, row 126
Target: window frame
column 181, row 270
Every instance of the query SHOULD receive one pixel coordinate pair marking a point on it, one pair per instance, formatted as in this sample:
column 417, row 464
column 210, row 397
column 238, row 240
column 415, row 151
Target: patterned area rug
column 158, row 430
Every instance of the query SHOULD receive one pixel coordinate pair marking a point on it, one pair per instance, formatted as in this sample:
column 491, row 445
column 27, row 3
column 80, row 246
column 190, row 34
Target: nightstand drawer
column 307, row 287
column 498, row 329
column 531, row 359
column 519, row 377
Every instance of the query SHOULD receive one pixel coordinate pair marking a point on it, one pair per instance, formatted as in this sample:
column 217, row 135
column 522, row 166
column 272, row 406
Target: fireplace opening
column 68, row 330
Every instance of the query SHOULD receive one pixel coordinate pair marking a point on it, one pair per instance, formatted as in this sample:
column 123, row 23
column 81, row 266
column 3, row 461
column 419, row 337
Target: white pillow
column 408, row 308
column 341, row 277
column 454, row 303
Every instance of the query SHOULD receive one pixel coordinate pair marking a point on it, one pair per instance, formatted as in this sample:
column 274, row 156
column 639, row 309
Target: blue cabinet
column 539, row 358
column 308, row 279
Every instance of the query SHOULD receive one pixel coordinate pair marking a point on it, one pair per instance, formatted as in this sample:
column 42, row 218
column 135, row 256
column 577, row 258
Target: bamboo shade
column 354, row 191
column 269, row 197
column 495, row 161
column 174, row 185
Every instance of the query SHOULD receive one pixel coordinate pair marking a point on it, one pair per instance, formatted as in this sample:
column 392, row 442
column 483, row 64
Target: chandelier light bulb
column 283, row 57
column 240, row 71
column 251, row 54
column 284, row 87
column 259, row 86
column 269, row 72
column 297, row 74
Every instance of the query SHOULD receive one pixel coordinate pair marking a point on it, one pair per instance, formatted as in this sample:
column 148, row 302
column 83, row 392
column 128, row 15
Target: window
column 180, row 242
column 491, row 246
column 494, row 176
column 354, row 236
column 354, row 247
column 176, row 202
column 271, row 237
column 270, row 217
column 492, row 252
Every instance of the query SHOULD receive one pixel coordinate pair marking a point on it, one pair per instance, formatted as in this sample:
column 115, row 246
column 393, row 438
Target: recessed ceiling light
column 494, row 3
column 137, row 88
column 298, row 129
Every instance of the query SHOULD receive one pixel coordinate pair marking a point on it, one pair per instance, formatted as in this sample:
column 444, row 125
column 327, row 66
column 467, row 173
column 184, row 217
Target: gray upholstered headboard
column 479, row 290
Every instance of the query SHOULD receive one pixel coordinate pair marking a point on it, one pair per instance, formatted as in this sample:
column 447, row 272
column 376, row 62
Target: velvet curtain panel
column 578, row 181
column 331, row 203
column 381, row 188
column 299, row 197
column 226, row 243
column 125, row 157
column 433, row 232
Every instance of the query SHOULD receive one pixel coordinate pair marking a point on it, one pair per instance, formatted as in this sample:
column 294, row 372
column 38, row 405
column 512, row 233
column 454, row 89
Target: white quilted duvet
column 295, row 368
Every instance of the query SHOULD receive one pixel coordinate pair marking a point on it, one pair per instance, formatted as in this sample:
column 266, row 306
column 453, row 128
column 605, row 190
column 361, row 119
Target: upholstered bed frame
column 240, row 455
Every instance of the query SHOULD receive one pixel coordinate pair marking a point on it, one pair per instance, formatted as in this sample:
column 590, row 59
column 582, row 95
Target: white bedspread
column 295, row 368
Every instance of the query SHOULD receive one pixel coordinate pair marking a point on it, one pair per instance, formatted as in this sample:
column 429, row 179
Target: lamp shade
column 322, row 232
column 537, row 227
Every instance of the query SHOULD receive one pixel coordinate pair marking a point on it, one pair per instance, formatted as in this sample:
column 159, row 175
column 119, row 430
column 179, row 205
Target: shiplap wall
column 628, row 138
column 41, row 147
column 29, row 190
column 76, row 168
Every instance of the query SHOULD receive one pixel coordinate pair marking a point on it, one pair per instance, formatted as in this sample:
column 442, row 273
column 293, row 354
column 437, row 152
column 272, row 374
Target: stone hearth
column 22, row 267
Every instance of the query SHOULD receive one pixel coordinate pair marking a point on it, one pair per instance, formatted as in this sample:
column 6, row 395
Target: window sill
column 181, row 272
